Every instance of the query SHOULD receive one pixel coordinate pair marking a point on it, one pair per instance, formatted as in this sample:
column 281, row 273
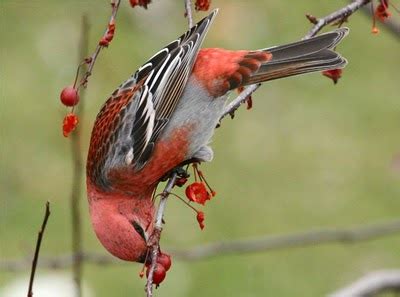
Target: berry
column 203, row 5
column 180, row 181
column 197, row 192
column 164, row 260
column 143, row 3
column 382, row 13
column 200, row 219
column 249, row 99
column 69, row 124
column 158, row 275
column 69, row 96
column 333, row 74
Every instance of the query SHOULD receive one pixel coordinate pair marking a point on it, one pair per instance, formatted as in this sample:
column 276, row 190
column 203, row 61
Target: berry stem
column 195, row 170
column 203, row 179
column 374, row 29
column 184, row 201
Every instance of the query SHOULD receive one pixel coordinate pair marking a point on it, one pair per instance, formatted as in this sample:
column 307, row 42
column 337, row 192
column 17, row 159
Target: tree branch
column 77, row 164
column 239, row 100
column 244, row 246
column 340, row 14
column 310, row 238
column 188, row 13
column 154, row 242
column 155, row 238
column 92, row 60
column 37, row 249
column 372, row 284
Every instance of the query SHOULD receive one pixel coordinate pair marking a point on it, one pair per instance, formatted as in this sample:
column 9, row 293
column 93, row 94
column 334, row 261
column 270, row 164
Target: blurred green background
column 308, row 155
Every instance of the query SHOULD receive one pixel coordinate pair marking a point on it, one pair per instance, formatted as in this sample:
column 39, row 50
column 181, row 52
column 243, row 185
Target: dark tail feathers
column 309, row 55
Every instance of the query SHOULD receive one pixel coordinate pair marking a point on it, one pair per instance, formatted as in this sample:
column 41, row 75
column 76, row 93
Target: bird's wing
column 162, row 88
column 130, row 122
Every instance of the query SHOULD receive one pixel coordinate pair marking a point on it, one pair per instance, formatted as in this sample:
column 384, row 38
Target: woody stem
column 155, row 237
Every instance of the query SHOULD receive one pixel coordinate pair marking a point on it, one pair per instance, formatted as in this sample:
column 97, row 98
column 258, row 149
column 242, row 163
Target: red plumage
column 165, row 115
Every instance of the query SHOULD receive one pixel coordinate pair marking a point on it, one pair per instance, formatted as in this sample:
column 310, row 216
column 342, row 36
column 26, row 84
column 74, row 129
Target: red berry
column 180, row 181
column 203, row 5
column 159, row 274
column 333, row 74
column 197, row 192
column 164, row 260
column 143, row 3
column 200, row 219
column 69, row 124
column 104, row 42
column 69, row 96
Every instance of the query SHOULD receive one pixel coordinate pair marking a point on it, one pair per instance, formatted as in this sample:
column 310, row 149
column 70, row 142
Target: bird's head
column 123, row 223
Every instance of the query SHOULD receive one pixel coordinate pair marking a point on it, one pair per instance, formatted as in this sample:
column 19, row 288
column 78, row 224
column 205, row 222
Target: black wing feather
column 165, row 76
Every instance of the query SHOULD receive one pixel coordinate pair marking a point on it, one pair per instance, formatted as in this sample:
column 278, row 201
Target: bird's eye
column 139, row 230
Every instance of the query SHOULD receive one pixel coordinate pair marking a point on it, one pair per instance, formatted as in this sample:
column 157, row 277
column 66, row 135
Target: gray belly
column 199, row 110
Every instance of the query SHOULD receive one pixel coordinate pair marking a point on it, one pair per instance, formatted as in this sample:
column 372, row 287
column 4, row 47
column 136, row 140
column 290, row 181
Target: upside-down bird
column 164, row 116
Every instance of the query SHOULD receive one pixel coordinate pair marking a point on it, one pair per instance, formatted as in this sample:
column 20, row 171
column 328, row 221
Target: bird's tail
column 309, row 55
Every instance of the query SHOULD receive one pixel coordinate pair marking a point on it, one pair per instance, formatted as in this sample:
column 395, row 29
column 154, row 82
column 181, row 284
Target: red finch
column 164, row 116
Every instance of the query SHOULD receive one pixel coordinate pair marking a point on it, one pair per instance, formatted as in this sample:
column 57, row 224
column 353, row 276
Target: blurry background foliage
column 308, row 155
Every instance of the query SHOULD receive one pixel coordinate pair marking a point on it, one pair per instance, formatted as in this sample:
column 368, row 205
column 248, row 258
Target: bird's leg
column 181, row 172
column 178, row 170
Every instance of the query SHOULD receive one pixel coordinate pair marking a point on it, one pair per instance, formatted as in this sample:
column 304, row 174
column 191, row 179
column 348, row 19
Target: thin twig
column 239, row 100
column 37, row 249
column 340, row 14
column 317, row 237
column 77, row 163
column 372, row 284
column 114, row 5
column 259, row 244
column 155, row 238
column 188, row 12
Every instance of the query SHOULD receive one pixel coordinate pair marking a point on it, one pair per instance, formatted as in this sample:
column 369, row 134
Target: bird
column 164, row 115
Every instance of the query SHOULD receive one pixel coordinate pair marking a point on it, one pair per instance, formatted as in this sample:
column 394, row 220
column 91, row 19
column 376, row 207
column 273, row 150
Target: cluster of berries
column 109, row 35
column 142, row 3
column 199, row 191
column 200, row 5
column 69, row 97
column 163, row 264
column 381, row 13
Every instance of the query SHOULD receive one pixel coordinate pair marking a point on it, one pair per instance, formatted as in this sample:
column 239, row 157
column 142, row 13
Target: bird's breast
column 169, row 152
